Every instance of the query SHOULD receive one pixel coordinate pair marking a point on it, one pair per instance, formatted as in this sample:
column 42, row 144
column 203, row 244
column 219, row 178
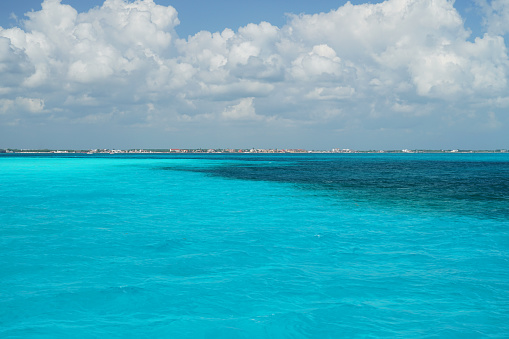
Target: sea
column 254, row 245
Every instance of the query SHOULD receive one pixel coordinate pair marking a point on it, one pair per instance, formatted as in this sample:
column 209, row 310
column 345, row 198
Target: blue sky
column 286, row 74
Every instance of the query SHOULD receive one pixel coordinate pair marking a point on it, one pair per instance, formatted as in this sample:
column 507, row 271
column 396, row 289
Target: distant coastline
column 233, row 151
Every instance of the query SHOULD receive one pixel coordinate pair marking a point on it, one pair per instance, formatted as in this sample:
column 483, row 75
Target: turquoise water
column 254, row 246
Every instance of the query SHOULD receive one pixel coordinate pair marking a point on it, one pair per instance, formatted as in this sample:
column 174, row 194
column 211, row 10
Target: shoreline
column 238, row 151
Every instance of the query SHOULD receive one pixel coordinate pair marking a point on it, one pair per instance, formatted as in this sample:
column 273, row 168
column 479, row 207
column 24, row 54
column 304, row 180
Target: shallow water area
column 243, row 246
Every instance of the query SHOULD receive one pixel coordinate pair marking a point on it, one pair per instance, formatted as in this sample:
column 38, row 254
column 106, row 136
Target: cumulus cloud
column 244, row 110
column 497, row 16
column 337, row 93
column 357, row 65
column 30, row 105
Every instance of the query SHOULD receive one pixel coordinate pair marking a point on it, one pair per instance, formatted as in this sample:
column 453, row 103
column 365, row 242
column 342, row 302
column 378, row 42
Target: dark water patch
column 464, row 185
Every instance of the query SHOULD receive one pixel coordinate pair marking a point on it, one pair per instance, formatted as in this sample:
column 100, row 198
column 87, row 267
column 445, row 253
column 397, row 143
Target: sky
column 395, row 74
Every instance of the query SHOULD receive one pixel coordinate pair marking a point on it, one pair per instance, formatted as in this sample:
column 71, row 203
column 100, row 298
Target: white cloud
column 240, row 54
column 114, row 40
column 322, row 60
column 337, row 93
column 20, row 104
column 244, row 110
column 359, row 64
column 496, row 16
column 31, row 105
column 403, row 108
